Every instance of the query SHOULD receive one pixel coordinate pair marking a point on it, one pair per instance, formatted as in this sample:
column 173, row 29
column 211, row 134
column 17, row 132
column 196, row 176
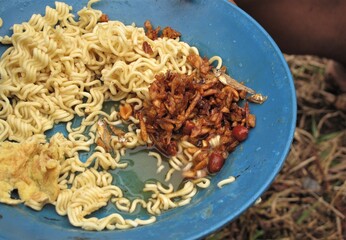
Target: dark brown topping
column 154, row 34
column 103, row 18
column 147, row 48
column 197, row 108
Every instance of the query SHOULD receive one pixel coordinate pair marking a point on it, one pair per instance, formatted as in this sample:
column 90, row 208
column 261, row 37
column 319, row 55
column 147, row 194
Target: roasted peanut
column 216, row 162
column 240, row 133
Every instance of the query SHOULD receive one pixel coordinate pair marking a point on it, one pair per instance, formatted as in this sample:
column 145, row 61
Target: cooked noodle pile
column 58, row 67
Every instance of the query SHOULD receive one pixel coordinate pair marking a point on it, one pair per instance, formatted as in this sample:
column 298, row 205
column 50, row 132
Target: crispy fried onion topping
column 197, row 108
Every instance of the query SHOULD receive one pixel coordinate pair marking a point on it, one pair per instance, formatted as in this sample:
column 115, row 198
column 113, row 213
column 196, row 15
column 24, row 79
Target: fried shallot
column 197, row 108
column 154, row 34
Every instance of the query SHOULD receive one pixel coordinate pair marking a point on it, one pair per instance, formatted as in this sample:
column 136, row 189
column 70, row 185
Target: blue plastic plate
column 216, row 28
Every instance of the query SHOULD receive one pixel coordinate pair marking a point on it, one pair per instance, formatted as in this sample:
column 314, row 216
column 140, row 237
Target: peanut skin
column 216, row 161
column 240, row 133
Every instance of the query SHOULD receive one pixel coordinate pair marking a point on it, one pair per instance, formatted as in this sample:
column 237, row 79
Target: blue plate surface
column 215, row 28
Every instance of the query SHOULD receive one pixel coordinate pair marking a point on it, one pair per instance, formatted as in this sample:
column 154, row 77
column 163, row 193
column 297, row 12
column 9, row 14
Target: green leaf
column 258, row 234
column 303, row 216
column 325, row 153
column 314, row 127
column 327, row 137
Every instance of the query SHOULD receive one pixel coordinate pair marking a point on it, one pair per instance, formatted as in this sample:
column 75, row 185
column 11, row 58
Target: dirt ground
column 308, row 198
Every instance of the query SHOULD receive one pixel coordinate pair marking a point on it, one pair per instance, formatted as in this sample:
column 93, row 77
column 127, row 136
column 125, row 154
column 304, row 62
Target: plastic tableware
column 215, row 28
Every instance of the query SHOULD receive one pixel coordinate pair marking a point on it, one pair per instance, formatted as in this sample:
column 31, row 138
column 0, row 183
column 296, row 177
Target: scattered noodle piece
column 157, row 156
column 169, row 174
column 226, row 181
column 202, row 182
column 160, row 168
